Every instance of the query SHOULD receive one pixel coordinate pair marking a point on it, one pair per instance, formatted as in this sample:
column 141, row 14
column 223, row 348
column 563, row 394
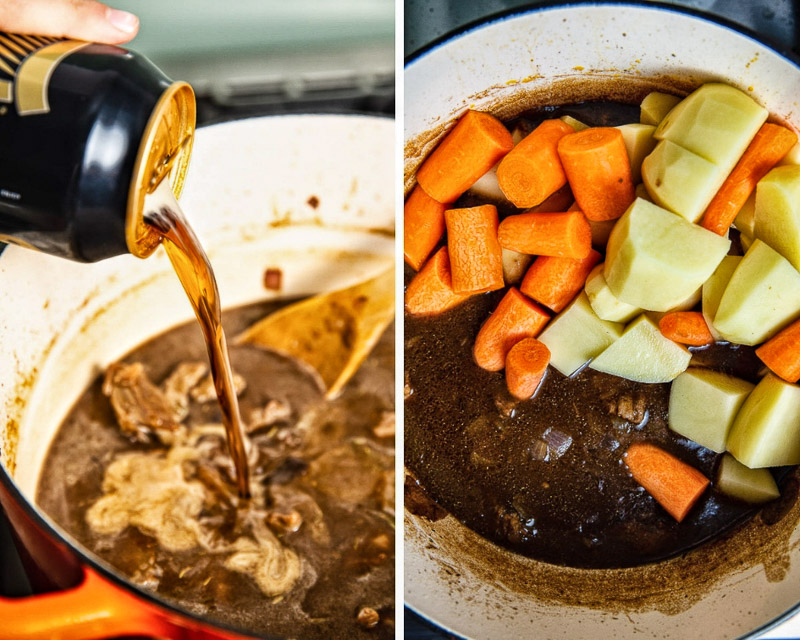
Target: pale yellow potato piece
column 762, row 297
column 777, row 212
column 792, row 156
column 487, row 187
column 574, row 123
column 639, row 142
column 714, row 287
column 604, row 303
column 703, row 404
column 750, row 485
column 576, row 335
column 746, row 218
column 716, row 122
column 515, row 265
column 643, row 354
column 747, row 242
column 641, row 192
column 655, row 106
column 766, row 431
column 655, row 260
column 681, row 181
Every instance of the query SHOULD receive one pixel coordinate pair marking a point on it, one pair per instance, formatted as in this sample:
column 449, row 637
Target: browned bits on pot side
column 273, row 279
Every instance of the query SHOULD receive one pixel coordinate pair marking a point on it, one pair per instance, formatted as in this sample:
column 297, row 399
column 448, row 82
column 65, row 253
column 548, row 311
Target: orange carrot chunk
column 476, row 258
column 686, row 327
column 674, row 484
column 599, row 171
column 515, row 318
column 430, row 292
column 769, row 145
column 554, row 282
column 526, row 364
column 532, row 170
column 423, row 226
column 564, row 235
column 781, row 353
column 468, row 151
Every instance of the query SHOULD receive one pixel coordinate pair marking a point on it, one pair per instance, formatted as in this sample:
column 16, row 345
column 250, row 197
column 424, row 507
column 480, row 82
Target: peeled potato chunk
column 655, row 260
column 762, row 297
column 750, row 485
column 681, row 181
column 716, row 122
column 604, row 303
column 655, row 106
column 766, row 431
column 777, row 212
column 714, row 287
column 703, row 404
column 643, row 354
column 515, row 265
column 576, row 335
column 639, row 142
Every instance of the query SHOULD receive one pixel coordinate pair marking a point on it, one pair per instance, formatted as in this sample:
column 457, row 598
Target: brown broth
column 346, row 541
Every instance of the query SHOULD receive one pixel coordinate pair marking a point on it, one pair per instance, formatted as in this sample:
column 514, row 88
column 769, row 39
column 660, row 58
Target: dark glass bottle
column 86, row 130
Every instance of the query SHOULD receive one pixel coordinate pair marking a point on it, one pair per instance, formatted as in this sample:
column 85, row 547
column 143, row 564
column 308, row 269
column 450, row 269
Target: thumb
column 79, row 19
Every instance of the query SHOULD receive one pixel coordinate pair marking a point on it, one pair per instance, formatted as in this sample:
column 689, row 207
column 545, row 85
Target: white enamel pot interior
column 556, row 55
column 310, row 195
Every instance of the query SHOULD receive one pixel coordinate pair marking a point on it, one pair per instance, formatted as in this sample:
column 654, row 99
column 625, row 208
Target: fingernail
column 122, row 20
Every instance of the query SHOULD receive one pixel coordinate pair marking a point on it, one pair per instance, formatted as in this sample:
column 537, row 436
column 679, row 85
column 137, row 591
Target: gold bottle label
column 26, row 65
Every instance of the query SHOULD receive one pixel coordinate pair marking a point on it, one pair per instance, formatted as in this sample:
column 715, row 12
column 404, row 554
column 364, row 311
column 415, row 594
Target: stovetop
column 777, row 21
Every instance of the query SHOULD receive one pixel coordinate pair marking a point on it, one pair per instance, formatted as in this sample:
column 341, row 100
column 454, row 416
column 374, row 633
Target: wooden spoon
column 333, row 332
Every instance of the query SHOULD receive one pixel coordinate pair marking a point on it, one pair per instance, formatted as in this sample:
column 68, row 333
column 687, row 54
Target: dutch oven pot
column 554, row 55
column 310, row 195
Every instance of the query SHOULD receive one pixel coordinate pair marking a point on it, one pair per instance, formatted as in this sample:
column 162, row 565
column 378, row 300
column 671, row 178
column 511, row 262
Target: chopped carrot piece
column 674, row 484
column 781, row 353
column 564, row 235
column 554, row 282
column 431, row 292
column 686, row 327
column 599, row 171
column 468, row 151
column 476, row 258
column 423, row 226
column 532, row 170
column 515, row 318
column 769, row 145
column 526, row 364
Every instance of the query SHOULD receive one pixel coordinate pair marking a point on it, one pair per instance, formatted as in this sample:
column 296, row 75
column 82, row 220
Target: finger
column 78, row 19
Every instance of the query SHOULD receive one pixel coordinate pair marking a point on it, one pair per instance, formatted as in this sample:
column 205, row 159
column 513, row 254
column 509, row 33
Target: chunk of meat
column 272, row 412
column 140, row 407
column 352, row 473
column 418, row 502
column 367, row 618
column 629, row 406
column 511, row 525
column 204, row 391
column 385, row 427
column 283, row 522
column 178, row 385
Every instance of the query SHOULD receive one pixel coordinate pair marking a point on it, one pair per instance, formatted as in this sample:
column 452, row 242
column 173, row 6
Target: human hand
column 79, row 19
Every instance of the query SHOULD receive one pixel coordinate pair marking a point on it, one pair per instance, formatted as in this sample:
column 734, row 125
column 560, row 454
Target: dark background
column 775, row 21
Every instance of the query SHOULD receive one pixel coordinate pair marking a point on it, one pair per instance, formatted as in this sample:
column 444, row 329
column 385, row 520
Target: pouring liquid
column 197, row 278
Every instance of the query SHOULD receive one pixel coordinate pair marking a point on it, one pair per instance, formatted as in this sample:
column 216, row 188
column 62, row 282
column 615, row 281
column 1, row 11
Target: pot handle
column 95, row 608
